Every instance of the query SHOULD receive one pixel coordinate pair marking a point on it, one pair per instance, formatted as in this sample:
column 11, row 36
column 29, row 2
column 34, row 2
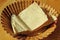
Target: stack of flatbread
column 30, row 19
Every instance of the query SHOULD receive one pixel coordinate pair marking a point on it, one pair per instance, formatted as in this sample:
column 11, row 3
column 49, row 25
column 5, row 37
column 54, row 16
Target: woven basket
column 16, row 8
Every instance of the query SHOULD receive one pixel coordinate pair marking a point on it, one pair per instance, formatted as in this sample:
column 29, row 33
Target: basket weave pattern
column 17, row 7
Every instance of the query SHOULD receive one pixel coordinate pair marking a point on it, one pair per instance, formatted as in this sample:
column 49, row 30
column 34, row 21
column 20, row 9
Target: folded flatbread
column 31, row 18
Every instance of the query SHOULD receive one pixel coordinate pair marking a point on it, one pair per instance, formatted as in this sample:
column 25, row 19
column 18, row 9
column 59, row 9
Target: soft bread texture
column 33, row 16
column 30, row 19
column 18, row 25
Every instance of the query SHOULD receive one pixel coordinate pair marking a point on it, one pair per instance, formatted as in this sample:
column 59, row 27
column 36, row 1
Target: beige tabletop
column 54, row 3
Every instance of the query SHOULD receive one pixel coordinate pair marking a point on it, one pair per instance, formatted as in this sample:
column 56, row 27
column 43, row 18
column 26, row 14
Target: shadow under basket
column 15, row 8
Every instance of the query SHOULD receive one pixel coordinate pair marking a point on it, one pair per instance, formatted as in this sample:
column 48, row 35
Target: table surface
column 54, row 3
